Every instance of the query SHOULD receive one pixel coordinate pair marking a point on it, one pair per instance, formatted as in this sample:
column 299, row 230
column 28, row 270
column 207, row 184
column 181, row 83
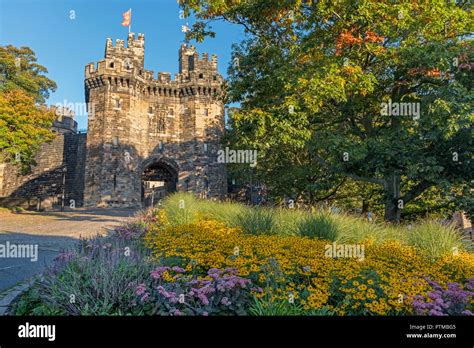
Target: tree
column 373, row 91
column 19, row 70
column 24, row 123
column 23, row 127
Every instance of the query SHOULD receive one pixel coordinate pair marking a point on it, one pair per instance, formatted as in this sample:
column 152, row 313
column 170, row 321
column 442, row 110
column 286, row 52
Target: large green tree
column 25, row 123
column 315, row 79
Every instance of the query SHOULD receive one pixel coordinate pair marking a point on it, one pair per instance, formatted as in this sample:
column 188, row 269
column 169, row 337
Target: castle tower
column 151, row 136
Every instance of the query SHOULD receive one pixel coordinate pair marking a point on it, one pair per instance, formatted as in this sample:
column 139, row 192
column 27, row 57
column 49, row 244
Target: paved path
column 52, row 232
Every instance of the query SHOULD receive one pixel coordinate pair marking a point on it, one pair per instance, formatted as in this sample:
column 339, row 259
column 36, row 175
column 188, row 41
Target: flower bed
column 296, row 269
column 200, row 266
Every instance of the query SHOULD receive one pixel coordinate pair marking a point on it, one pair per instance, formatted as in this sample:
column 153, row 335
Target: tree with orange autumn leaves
column 25, row 122
column 311, row 80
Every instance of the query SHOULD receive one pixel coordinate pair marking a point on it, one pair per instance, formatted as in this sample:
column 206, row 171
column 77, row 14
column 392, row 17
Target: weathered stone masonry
column 146, row 136
column 146, row 129
column 42, row 188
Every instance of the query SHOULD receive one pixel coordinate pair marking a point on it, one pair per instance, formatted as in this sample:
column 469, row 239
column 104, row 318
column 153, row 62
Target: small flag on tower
column 127, row 19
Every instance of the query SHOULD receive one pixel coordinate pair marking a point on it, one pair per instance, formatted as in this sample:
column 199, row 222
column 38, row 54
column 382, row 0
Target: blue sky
column 64, row 45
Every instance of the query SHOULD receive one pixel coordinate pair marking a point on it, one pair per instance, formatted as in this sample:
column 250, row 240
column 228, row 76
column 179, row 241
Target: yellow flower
column 279, row 261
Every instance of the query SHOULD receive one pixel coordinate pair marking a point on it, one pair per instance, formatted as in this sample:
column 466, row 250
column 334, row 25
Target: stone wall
column 140, row 120
column 137, row 123
column 42, row 187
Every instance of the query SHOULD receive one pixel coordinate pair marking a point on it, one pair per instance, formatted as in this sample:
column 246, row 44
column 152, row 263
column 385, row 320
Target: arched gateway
column 178, row 122
column 158, row 178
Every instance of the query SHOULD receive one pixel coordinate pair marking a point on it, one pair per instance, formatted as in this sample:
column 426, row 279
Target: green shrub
column 263, row 307
column 433, row 239
column 287, row 221
column 318, row 226
column 222, row 211
column 257, row 221
column 181, row 208
column 30, row 303
column 101, row 275
column 355, row 229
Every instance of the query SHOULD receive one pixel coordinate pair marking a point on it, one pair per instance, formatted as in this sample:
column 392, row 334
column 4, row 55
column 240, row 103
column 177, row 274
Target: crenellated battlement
column 124, row 66
column 143, row 118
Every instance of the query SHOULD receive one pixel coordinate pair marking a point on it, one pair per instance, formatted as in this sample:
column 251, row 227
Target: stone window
column 170, row 113
column 214, row 77
column 150, row 110
column 206, row 112
column 115, row 140
column 201, row 76
column 160, row 126
column 111, row 65
column 117, row 103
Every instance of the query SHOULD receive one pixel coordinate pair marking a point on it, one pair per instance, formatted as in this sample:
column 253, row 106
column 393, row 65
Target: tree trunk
column 365, row 206
column 393, row 204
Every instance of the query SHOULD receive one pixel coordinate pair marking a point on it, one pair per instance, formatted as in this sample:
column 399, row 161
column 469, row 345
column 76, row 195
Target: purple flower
column 158, row 272
column 453, row 300
column 145, row 296
column 225, row 301
column 140, row 289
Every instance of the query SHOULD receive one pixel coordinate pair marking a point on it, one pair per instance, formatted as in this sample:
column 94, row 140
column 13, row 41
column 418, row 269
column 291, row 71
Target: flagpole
column 130, row 24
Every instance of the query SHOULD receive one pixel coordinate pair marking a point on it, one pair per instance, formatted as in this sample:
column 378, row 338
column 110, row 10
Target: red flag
column 127, row 18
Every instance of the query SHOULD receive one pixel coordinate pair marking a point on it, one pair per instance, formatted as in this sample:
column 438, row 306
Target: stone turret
column 152, row 131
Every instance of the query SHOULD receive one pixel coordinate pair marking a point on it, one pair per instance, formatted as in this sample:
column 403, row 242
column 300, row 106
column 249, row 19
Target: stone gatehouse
column 147, row 136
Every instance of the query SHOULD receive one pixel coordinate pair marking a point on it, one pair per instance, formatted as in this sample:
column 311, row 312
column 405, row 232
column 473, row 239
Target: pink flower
column 140, row 289
column 157, row 273
column 145, row 296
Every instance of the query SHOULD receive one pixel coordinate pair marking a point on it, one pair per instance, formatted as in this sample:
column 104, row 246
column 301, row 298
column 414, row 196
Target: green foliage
column 225, row 212
column 428, row 236
column 319, row 226
column 23, row 127
column 99, row 274
column 257, row 221
column 30, row 303
column 434, row 239
column 19, row 70
column 263, row 307
column 287, row 221
column 181, row 208
column 311, row 79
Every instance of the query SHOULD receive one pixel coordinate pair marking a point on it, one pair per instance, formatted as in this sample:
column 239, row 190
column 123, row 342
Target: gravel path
column 52, row 232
